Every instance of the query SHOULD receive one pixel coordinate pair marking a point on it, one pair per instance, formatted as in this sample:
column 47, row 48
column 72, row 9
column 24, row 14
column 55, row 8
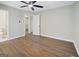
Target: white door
column 36, row 24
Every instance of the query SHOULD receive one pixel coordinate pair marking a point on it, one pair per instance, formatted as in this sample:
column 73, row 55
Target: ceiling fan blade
column 24, row 2
column 38, row 6
column 33, row 2
column 23, row 6
column 32, row 8
column 30, row 2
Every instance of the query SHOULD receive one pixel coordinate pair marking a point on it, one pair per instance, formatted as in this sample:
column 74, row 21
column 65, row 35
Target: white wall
column 58, row 23
column 16, row 29
column 62, row 23
column 76, row 40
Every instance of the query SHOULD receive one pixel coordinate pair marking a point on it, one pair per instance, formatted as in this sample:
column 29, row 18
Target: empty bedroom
column 39, row 28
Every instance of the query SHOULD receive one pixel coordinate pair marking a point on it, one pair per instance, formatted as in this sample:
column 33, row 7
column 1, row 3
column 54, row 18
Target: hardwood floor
column 36, row 46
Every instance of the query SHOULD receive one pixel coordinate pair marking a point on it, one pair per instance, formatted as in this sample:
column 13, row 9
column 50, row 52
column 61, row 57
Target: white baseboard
column 63, row 40
column 2, row 40
column 76, row 47
column 6, row 39
column 57, row 38
column 16, row 37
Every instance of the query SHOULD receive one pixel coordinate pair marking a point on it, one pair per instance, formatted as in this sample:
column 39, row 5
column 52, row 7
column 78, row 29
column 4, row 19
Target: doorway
column 26, row 24
column 3, row 25
column 32, row 24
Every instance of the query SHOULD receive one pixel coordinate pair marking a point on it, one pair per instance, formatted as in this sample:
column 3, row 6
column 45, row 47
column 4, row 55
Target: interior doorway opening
column 26, row 24
column 32, row 24
column 3, row 25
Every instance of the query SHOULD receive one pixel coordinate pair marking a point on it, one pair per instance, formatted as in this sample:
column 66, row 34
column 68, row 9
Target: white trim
column 76, row 47
column 16, row 37
column 7, row 25
column 57, row 38
column 5, row 39
column 63, row 40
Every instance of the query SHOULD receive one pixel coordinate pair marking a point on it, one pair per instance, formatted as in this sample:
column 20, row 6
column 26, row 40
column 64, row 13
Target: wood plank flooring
column 37, row 46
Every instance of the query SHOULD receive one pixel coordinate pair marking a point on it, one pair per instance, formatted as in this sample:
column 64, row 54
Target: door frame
column 25, row 23
column 6, row 25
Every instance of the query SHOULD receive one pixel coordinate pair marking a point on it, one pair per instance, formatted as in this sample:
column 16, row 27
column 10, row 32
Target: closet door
column 36, row 24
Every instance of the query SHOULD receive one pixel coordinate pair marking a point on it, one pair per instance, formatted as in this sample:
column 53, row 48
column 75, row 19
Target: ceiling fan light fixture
column 30, row 5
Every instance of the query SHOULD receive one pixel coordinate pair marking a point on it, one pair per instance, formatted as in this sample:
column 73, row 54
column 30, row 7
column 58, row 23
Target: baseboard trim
column 5, row 39
column 76, row 48
column 57, row 38
column 11, row 38
column 16, row 37
column 63, row 40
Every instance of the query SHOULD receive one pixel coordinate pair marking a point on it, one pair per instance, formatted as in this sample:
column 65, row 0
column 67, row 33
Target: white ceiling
column 46, row 4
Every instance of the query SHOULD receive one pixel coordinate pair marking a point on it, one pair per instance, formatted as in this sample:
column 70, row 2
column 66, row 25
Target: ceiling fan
column 30, row 4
